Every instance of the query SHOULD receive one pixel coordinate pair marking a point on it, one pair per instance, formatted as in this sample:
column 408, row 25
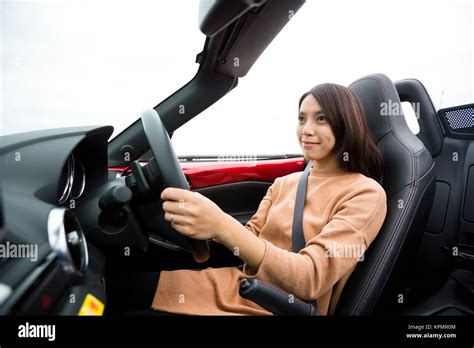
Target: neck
column 326, row 165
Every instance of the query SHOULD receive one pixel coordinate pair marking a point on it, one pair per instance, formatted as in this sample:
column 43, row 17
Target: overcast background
column 70, row 63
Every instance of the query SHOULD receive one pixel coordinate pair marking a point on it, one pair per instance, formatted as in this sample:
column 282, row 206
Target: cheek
column 298, row 131
column 333, row 140
column 329, row 137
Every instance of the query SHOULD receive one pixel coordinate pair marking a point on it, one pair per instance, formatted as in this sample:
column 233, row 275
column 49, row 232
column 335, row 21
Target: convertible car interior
column 91, row 206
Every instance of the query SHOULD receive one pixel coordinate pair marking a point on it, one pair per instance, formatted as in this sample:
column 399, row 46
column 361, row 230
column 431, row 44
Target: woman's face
column 314, row 132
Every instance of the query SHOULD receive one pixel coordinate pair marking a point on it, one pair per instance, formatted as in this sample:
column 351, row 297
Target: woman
column 344, row 210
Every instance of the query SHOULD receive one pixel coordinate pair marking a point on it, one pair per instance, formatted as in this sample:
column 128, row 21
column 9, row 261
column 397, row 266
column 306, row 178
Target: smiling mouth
column 309, row 143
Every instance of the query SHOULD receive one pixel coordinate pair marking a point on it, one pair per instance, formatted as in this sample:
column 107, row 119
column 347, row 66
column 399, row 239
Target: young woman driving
column 344, row 210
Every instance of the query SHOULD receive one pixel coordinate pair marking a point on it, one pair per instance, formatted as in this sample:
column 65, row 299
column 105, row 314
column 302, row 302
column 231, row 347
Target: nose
column 309, row 129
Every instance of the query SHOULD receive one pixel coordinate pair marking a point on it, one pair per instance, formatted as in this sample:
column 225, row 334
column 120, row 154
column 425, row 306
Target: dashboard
column 62, row 209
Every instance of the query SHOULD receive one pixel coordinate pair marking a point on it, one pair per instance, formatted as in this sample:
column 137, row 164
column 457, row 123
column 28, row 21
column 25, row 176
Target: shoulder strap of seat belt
column 297, row 237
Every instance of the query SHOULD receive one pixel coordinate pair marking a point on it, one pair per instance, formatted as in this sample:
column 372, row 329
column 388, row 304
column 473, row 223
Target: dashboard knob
column 115, row 197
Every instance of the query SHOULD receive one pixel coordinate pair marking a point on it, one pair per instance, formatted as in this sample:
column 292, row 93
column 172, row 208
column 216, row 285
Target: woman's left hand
column 192, row 214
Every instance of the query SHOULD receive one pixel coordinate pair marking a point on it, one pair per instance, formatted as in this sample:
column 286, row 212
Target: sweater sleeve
column 331, row 253
column 258, row 220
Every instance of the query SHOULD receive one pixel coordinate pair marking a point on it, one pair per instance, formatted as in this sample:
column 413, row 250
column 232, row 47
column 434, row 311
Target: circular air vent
column 67, row 240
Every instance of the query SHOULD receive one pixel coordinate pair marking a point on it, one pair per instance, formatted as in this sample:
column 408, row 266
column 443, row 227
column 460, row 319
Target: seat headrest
column 406, row 158
column 381, row 103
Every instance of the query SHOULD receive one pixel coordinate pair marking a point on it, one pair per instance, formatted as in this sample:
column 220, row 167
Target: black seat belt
column 297, row 235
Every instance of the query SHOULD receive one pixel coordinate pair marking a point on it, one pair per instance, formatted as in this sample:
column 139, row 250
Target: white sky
column 68, row 63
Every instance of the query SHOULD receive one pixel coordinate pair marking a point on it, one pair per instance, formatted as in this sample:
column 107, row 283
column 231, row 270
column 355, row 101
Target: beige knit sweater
column 343, row 214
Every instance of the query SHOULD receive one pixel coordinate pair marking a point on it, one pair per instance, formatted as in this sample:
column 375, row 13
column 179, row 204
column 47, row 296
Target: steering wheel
column 167, row 167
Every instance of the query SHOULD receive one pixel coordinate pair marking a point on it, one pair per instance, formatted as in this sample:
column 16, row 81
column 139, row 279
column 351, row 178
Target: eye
column 300, row 119
column 321, row 119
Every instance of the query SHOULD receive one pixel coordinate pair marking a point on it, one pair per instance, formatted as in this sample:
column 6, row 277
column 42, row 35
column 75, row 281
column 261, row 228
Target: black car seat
column 378, row 283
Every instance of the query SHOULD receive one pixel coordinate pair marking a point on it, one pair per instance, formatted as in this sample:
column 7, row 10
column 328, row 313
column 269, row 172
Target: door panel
column 238, row 188
column 240, row 199
column 450, row 220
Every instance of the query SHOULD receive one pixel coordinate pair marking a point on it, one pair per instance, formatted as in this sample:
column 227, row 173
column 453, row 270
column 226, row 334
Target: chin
column 312, row 156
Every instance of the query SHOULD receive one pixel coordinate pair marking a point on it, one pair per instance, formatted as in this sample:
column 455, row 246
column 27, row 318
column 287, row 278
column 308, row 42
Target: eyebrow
column 320, row 112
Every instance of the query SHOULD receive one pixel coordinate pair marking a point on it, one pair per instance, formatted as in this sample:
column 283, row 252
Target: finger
column 177, row 219
column 170, row 217
column 173, row 207
column 169, row 194
column 176, row 194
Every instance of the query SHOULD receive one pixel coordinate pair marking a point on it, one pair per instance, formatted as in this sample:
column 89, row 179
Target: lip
column 308, row 144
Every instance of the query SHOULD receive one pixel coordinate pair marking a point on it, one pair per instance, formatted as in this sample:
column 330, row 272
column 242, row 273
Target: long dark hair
column 355, row 146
